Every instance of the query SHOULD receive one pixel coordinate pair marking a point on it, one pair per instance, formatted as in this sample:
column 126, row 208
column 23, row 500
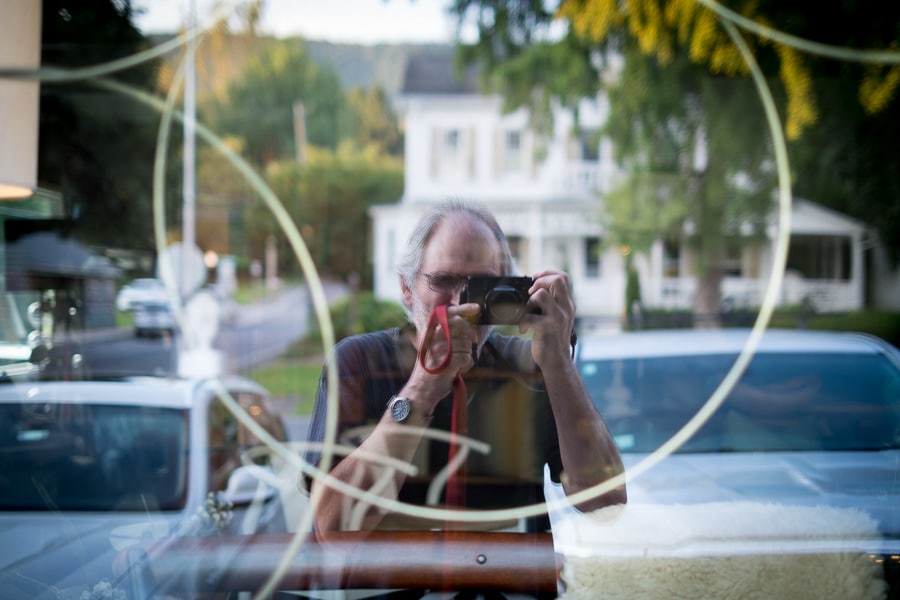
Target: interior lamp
column 20, row 48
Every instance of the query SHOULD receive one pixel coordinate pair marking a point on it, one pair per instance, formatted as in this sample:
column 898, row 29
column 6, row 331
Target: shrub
column 360, row 313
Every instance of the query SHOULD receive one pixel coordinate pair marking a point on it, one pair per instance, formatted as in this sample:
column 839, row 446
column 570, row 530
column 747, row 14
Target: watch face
column 399, row 408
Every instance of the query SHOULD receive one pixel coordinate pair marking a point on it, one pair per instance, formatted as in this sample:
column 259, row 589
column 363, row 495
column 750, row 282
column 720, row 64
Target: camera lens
column 504, row 304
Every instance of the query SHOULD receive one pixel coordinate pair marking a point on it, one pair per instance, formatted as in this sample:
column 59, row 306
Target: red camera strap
column 455, row 483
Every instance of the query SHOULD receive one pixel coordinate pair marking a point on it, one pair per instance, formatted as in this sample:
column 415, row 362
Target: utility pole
column 299, row 132
column 190, row 109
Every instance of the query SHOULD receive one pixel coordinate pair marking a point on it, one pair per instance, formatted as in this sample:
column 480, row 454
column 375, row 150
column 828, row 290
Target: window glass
column 820, row 256
column 592, row 257
column 646, row 401
column 84, row 457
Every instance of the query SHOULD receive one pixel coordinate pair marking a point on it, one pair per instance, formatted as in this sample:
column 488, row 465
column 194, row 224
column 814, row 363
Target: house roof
column 435, row 73
column 46, row 254
column 812, row 218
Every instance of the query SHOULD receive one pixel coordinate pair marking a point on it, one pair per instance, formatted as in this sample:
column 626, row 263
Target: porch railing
column 820, row 295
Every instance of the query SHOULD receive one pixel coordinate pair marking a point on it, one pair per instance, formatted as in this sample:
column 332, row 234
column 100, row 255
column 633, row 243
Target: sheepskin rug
column 720, row 550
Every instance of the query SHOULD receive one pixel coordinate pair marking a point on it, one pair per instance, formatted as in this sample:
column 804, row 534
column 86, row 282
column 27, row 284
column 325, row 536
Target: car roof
column 133, row 391
column 699, row 342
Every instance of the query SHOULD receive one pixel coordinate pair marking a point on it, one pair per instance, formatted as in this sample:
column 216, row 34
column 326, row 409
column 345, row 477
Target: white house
column 547, row 195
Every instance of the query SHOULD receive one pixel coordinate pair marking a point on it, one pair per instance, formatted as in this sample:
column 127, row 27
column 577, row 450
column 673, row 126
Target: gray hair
column 412, row 258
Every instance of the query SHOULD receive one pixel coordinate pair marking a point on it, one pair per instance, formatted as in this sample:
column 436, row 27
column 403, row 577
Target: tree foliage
column 373, row 122
column 97, row 147
column 666, row 29
column 349, row 162
column 328, row 198
column 698, row 172
column 841, row 107
column 259, row 107
column 682, row 76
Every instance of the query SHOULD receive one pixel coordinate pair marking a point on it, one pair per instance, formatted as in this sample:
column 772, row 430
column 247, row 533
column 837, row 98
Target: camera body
column 502, row 299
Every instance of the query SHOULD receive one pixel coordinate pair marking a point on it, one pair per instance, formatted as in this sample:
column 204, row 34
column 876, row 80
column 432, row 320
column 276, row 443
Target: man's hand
column 463, row 335
column 551, row 314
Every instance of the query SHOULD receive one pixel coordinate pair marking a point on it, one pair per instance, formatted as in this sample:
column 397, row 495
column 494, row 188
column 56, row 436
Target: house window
column 451, row 142
column 452, row 153
column 731, row 263
column 512, row 152
column 590, row 145
column 671, row 257
column 592, row 257
column 820, row 256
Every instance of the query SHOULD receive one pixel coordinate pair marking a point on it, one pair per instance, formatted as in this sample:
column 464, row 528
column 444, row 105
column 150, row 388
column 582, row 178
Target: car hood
column 47, row 555
column 867, row 481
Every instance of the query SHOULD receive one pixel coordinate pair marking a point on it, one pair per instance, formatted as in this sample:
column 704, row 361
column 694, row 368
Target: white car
column 90, row 471
column 154, row 319
column 141, row 291
column 814, row 420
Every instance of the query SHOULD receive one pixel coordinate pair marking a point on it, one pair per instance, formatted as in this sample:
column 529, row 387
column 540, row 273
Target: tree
column 841, row 105
column 259, row 107
column 97, row 147
column 699, row 173
column 328, row 198
column 655, row 125
column 688, row 27
column 350, row 161
column 660, row 120
column 374, row 124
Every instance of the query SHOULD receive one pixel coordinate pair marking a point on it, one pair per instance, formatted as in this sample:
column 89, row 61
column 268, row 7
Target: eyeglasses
column 443, row 282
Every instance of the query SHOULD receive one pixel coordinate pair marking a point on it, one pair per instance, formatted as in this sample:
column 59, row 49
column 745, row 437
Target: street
column 253, row 335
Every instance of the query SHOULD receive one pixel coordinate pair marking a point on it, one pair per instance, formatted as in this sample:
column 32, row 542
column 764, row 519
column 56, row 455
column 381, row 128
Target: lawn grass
column 124, row 319
column 292, row 377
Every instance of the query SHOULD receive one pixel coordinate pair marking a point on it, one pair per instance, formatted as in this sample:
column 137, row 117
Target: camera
column 502, row 299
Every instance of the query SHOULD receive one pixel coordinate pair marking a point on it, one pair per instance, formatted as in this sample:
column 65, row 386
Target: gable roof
column 435, row 73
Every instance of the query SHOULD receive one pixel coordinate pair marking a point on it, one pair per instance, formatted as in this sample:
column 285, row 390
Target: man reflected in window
column 508, row 397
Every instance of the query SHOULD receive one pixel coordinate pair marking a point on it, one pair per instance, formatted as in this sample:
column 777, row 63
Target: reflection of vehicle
column 813, row 421
column 15, row 361
column 811, row 428
column 16, row 344
column 153, row 318
column 140, row 291
column 810, row 407
column 88, row 469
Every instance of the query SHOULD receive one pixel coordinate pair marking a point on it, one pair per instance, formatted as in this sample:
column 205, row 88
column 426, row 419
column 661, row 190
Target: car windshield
column 84, row 457
column 782, row 402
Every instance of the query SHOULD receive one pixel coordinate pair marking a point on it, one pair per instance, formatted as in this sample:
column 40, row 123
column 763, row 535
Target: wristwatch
column 399, row 408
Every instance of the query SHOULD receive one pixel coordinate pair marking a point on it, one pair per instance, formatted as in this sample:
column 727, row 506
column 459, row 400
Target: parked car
column 91, row 470
column 802, row 453
column 810, row 429
column 15, row 360
column 141, row 291
column 154, row 318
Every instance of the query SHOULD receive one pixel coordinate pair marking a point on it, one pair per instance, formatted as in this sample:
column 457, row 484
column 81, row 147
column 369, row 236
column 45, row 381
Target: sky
column 354, row 21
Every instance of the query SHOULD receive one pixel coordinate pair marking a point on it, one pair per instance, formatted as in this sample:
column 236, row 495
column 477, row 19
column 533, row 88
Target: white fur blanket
column 720, row 550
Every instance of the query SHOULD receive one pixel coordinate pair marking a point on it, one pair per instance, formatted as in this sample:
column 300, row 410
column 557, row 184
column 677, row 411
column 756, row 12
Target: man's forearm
column 587, row 449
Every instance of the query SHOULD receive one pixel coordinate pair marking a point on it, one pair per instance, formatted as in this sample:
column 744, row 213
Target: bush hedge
column 881, row 323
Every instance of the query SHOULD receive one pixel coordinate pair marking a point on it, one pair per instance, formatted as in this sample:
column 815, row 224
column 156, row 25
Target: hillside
column 222, row 57
column 360, row 65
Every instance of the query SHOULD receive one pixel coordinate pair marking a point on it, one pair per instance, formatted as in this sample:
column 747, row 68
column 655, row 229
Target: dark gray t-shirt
column 508, row 409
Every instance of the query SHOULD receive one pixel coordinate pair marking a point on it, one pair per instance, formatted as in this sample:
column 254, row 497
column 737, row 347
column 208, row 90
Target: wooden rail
column 427, row 560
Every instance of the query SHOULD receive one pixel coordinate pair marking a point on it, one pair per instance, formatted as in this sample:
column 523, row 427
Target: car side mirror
column 40, row 354
column 249, row 483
